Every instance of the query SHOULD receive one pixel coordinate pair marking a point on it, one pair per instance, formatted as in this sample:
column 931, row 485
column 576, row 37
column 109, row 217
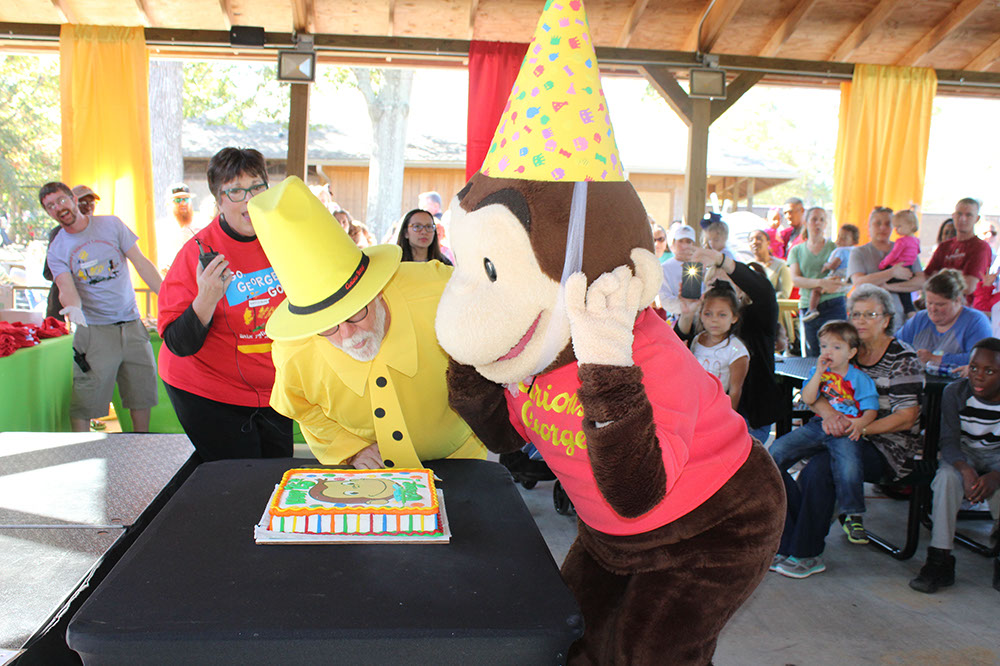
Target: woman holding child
column 807, row 263
column 884, row 447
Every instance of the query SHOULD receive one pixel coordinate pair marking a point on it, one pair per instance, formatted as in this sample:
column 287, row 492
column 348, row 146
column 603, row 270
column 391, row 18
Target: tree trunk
column 166, row 86
column 389, row 109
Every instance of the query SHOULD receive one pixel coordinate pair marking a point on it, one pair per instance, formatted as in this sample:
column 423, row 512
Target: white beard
column 372, row 339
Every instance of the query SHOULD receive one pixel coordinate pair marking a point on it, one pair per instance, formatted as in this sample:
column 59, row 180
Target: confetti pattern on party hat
column 556, row 125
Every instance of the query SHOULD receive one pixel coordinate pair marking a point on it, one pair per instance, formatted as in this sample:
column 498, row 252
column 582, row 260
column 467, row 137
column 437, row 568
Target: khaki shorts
column 115, row 352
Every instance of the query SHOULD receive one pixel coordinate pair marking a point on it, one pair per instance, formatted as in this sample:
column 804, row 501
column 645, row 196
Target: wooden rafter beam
column 715, row 22
column 62, row 8
column 734, row 90
column 227, row 12
column 930, row 41
column 862, row 31
column 631, row 22
column 662, row 79
column 988, row 56
column 787, row 27
column 146, row 12
column 473, row 13
column 304, row 16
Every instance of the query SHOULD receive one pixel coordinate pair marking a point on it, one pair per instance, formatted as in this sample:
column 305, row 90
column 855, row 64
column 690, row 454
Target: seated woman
column 887, row 444
column 759, row 317
column 418, row 237
column 948, row 329
column 214, row 302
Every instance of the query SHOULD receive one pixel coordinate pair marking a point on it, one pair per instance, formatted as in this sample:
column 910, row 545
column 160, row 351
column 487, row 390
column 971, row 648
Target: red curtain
column 493, row 67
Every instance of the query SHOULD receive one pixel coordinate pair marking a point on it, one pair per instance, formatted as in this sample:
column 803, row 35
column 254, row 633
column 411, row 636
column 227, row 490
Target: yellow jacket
column 339, row 403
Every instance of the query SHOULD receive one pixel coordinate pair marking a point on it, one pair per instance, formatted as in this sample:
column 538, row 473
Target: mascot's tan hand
column 601, row 317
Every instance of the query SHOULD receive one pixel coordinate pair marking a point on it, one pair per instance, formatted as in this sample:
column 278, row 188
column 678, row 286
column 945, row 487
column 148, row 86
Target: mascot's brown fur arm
column 483, row 406
column 624, row 454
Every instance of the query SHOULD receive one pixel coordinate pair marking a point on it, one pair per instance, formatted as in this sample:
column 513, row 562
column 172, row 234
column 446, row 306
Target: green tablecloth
column 162, row 418
column 35, row 387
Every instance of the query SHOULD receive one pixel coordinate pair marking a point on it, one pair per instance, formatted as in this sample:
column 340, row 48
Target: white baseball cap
column 682, row 231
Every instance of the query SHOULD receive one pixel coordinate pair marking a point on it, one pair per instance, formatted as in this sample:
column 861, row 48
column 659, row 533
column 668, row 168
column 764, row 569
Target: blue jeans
column 811, row 498
column 835, row 308
column 761, row 434
column 848, row 475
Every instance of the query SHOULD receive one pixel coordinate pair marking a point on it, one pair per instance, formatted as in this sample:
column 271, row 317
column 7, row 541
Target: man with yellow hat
column 358, row 364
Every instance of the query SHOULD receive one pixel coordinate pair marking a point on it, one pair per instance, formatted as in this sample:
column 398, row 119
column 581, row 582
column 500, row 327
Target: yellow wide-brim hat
column 325, row 276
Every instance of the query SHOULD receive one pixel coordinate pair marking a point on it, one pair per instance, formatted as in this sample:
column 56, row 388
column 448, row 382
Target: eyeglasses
column 421, row 227
column 356, row 319
column 178, row 200
column 855, row 316
column 660, row 239
column 61, row 201
column 238, row 194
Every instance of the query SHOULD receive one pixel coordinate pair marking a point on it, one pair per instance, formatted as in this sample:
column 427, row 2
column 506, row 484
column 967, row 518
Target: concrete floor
column 859, row 611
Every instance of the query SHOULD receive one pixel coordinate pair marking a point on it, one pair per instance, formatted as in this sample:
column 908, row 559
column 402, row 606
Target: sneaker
column 810, row 315
column 778, row 559
column 97, row 424
column 794, row 567
column 854, row 530
column 937, row 572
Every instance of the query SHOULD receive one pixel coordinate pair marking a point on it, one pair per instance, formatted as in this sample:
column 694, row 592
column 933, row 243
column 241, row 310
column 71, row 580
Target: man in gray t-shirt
column 87, row 259
column 863, row 265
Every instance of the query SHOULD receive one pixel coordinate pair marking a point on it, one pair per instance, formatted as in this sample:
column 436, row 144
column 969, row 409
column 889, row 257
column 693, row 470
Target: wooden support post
column 696, row 174
column 298, row 130
column 751, row 185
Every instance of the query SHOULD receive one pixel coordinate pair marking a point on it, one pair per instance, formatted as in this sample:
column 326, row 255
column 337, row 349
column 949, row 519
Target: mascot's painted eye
column 491, row 270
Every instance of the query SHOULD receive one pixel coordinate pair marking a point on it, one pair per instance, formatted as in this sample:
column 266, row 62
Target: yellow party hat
column 556, row 125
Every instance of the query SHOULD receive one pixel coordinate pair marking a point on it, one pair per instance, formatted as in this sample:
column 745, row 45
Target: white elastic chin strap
column 573, row 263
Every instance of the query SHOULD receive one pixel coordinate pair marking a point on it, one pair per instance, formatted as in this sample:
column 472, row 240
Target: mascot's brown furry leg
column 664, row 596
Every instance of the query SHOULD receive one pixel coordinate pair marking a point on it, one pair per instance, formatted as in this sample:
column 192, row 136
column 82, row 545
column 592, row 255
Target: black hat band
column 351, row 283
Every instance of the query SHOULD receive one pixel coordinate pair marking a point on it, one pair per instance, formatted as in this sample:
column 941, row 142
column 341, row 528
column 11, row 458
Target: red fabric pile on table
column 16, row 334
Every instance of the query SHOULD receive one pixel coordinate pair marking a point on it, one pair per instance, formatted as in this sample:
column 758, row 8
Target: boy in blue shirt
column 852, row 393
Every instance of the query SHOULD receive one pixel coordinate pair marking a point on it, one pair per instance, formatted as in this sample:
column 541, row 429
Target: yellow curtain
column 885, row 122
column 104, row 74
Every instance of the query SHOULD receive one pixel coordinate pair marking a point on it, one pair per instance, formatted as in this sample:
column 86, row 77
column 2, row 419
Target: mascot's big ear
column 647, row 268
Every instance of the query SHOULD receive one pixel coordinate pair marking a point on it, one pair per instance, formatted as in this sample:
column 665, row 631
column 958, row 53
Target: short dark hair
column 51, row 188
column 229, row 163
column 989, row 344
column 944, row 225
column 842, row 329
column 969, row 201
column 853, row 230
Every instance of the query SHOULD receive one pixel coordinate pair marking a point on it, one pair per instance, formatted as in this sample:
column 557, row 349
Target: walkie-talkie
column 205, row 256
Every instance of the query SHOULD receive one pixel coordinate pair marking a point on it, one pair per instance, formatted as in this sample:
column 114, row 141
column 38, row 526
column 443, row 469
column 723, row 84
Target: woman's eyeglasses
column 855, row 316
column 238, row 194
column 421, row 227
column 659, row 239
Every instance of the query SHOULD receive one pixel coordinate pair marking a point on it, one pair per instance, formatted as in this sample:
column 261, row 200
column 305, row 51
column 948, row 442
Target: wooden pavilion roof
column 832, row 34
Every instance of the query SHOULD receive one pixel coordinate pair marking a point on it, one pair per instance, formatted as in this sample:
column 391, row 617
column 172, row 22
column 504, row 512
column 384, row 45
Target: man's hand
column 601, row 317
column 901, row 272
column 74, row 315
column 984, row 487
column 368, row 458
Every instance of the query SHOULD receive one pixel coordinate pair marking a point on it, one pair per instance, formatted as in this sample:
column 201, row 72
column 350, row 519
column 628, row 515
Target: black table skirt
column 196, row 588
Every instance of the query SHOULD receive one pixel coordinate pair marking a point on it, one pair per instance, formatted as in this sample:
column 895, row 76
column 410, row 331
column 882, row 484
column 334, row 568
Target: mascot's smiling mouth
column 523, row 342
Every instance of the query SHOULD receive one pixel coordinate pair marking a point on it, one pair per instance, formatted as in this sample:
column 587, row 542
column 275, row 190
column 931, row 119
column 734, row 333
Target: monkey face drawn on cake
column 356, row 491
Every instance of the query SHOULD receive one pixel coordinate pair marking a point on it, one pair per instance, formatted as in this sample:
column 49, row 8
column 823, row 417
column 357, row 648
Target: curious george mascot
column 551, row 340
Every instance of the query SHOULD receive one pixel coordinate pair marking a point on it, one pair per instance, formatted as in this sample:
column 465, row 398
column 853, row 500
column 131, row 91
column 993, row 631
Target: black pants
column 221, row 431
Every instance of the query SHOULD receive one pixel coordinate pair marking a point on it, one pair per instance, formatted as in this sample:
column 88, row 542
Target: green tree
column 29, row 139
column 237, row 94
